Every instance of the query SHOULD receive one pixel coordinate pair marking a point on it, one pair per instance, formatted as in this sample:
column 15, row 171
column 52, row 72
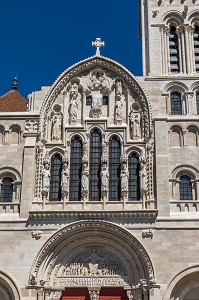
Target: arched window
column 197, row 102
column 134, row 182
column 176, row 103
column 95, row 165
column 55, row 178
column 185, row 188
column 196, row 47
column 75, row 169
column 174, row 50
column 114, row 169
column 7, row 189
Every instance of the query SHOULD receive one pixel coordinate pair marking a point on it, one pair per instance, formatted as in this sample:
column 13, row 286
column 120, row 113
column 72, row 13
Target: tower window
column 105, row 100
column 196, row 47
column 6, row 190
column 134, row 182
column 185, row 188
column 114, row 169
column 95, row 165
column 75, row 169
column 174, row 50
column 55, row 178
column 176, row 103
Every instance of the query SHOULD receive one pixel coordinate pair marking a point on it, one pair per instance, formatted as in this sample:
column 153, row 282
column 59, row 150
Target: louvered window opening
column 55, row 178
column 114, row 169
column 185, row 188
column 134, row 181
column 75, row 169
column 196, row 47
column 174, row 50
column 176, row 104
column 197, row 102
column 6, row 190
column 95, row 166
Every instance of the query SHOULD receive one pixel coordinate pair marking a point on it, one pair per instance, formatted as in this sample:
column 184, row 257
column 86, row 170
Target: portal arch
column 89, row 254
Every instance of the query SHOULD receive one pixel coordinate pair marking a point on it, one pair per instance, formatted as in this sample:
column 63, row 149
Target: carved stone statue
column 73, row 107
column 96, row 107
column 124, row 178
column 64, row 177
column 46, row 176
column 135, row 124
column 85, row 178
column 143, row 178
column 104, row 178
column 118, row 111
column 56, row 127
column 119, row 88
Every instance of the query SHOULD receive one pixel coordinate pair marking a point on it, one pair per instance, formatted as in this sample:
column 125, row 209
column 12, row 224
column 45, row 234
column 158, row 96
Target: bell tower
column 170, row 37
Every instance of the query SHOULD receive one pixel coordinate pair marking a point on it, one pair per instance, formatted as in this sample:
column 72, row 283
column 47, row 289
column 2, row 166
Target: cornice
column 152, row 214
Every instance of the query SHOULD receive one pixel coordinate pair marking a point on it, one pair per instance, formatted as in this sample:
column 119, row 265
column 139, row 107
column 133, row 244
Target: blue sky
column 39, row 39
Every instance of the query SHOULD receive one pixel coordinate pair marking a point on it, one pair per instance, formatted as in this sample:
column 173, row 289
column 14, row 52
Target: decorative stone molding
column 93, row 215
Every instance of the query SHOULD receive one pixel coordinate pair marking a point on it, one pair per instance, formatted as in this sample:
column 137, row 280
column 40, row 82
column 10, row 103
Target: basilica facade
column 99, row 173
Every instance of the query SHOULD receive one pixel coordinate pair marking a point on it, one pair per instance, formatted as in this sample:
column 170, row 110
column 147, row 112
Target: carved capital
column 94, row 293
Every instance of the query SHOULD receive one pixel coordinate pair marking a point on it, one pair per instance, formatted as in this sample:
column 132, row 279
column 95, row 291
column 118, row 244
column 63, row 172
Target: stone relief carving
column 148, row 234
column 85, row 173
column 143, row 174
column 31, row 126
column 135, row 118
column 56, row 123
column 37, row 234
column 96, row 107
column 118, row 112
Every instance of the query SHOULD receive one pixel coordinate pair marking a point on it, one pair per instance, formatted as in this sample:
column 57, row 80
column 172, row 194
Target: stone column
column 27, row 191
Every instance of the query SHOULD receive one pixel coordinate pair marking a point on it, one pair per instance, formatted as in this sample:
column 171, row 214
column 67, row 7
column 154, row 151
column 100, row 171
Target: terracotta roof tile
column 12, row 101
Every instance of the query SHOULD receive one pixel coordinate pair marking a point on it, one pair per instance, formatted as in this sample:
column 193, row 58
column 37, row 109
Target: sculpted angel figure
column 85, row 179
column 64, row 177
column 104, row 178
column 118, row 110
column 135, row 124
column 56, row 127
column 124, row 178
column 73, row 107
column 46, row 177
column 143, row 178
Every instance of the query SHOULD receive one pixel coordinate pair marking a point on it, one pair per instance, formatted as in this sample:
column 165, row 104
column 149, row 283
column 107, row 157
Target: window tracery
column 114, row 169
column 55, row 178
column 134, row 180
column 185, row 188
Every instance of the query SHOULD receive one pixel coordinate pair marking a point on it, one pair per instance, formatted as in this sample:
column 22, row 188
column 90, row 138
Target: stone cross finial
column 98, row 44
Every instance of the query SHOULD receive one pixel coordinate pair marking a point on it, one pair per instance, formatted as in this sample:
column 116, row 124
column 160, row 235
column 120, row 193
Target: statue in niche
column 56, row 127
column 135, row 124
column 85, row 178
column 104, row 178
column 64, row 177
column 73, row 102
column 73, row 107
column 46, row 176
column 124, row 178
column 118, row 110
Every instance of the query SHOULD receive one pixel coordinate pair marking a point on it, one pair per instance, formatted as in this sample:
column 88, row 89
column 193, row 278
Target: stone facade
column 122, row 210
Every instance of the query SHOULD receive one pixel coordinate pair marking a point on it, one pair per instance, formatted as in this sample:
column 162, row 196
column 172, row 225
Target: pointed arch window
column 176, row 103
column 185, row 188
column 6, row 190
column 95, row 165
column 134, row 181
column 75, row 169
column 196, row 47
column 114, row 169
column 174, row 50
column 55, row 178
column 197, row 102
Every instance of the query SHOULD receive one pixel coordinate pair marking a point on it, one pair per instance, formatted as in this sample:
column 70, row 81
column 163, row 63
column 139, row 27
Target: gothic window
column 95, row 166
column 134, row 182
column 6, row 190
column 105, row 100
column 89, row 101
column 176, row 103
column 197, row 102
column 174, row 50
column 196, row 47
column 185, row 188
column 114, row 169
column 75, row 169
column 55, row 178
